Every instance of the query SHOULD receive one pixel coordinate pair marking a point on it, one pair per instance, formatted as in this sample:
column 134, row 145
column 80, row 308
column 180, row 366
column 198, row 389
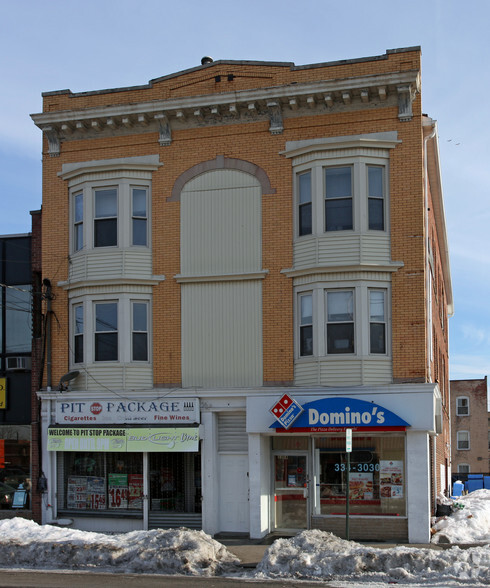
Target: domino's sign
column 286, row 411
column 335, row 414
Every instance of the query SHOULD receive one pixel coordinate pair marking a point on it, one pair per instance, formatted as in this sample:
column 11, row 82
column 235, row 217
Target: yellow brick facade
column 253, row 113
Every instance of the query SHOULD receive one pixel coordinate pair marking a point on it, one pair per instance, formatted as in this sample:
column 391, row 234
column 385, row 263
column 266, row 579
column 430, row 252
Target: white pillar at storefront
column 259, row 484
column 146, row 491
column 210, row 474
column 418, row 487
column 48, row 466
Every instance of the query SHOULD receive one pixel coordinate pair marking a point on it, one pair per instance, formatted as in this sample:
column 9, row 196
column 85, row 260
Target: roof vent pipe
column 206, row 59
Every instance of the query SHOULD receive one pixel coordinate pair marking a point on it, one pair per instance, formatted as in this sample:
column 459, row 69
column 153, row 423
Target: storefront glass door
column 290, row 491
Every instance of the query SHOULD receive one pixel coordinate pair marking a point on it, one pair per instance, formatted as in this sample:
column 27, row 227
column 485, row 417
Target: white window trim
column 124, row 327
column 457, row 441
column 466, row 465
column 457, row 407
column 361, row 290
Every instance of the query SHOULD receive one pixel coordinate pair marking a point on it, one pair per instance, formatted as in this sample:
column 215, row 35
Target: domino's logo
column 286, row 411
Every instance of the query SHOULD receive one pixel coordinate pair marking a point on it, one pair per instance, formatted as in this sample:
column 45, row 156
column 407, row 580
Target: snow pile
column 25, row 544
column 470, row 524
column 318, row 555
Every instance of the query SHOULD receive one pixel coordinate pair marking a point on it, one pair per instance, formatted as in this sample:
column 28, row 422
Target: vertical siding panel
column 221, row 226
column 222, row 334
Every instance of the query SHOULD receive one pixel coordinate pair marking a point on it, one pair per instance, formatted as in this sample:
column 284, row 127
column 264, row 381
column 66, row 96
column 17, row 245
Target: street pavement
column 48, row 579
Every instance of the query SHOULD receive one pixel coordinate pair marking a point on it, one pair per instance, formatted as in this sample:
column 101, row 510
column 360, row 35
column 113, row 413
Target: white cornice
column 272, row 104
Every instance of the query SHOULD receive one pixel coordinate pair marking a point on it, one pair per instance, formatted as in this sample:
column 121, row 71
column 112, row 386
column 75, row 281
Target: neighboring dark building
column 15, row 365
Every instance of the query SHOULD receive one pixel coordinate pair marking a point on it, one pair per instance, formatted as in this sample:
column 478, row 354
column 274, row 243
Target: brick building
column 246, row 259
column 470, row 438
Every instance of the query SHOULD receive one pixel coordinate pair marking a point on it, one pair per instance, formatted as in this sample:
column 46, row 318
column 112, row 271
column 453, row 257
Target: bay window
column 111, row 328
column 343, row 320
column 342, row 184
column 113, row 212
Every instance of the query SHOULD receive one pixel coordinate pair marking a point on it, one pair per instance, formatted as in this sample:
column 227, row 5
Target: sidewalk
column 251, row 551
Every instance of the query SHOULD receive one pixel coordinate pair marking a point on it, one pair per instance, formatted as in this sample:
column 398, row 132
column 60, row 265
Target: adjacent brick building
column 232, row 238
column 470, row 439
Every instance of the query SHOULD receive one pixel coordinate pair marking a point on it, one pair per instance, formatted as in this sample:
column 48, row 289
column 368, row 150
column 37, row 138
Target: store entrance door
column 290, row 491
column 175, row 490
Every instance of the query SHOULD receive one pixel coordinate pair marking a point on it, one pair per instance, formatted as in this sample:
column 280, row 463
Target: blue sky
column 95, row 44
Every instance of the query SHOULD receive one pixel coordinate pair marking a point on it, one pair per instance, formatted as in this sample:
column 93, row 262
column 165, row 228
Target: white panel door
column 233, row 487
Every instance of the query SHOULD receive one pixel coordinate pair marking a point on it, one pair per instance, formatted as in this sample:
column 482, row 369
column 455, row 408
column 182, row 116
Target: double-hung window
column 139, row 197
column 305, row 207
column 106, row 333
column 377, row 321
column 139, row 331
column 462, row 406
column 78, row 222
column 376, row 204
column 338, row 199
column 105, row 218
column 463, row 440
column 78, row 333
column 306, row 325
column 340, row 321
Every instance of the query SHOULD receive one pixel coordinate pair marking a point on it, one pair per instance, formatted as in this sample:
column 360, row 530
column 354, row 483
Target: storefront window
column 14, row 468
column 376, row 476
column 101, row 481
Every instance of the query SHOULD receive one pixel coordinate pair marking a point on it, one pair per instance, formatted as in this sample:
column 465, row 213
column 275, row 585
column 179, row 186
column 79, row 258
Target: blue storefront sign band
column 343, row 412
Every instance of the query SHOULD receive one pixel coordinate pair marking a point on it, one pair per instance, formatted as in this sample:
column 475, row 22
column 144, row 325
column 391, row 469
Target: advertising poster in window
column 391, row 479
column 77, row 492
column 360, row 486
column 95, row 493
column 135, row 482
column 118, row 491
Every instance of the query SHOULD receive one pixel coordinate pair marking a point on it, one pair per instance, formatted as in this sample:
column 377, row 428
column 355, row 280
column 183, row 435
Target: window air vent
column 18, row 363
